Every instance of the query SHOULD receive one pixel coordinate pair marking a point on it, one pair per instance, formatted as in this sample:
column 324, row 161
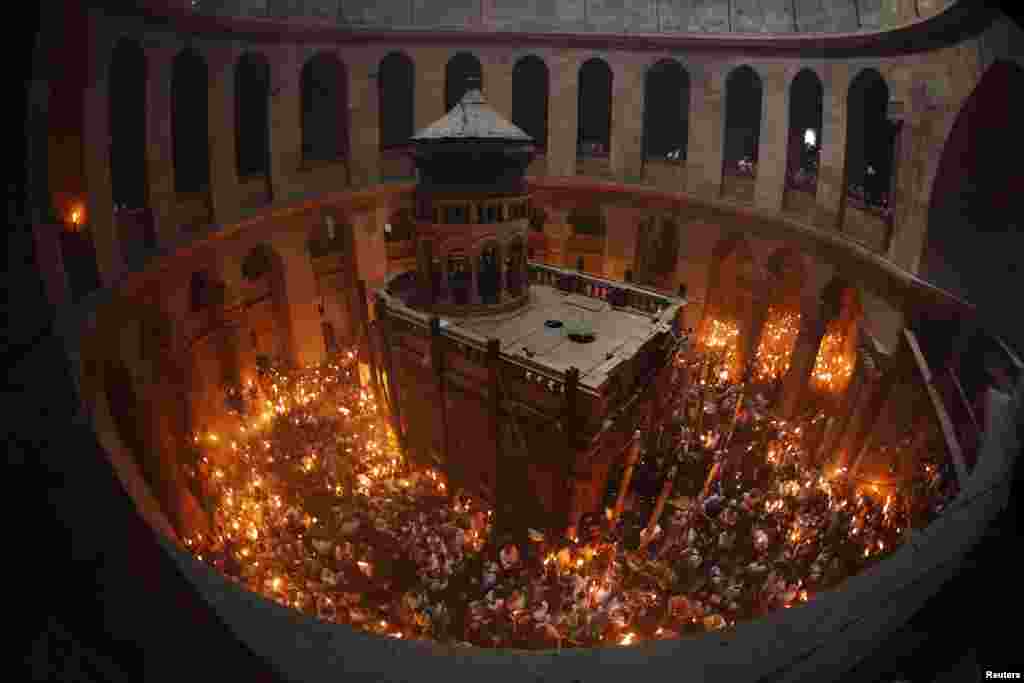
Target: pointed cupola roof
column 472, row 119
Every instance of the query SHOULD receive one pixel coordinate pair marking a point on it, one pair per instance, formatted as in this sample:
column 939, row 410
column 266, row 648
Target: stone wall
column 954, row 70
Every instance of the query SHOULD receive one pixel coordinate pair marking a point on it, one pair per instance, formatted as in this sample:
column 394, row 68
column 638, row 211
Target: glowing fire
column 777, row 342
column 833, row 367
column 76, row 216
column 723, row 336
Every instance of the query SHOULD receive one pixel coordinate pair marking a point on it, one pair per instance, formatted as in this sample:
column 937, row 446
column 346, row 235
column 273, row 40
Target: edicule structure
column 525, row 382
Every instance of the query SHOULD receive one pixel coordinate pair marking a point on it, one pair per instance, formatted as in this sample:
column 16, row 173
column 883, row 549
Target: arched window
column 742, row 122
column 252, row 115
column 396, row 84
column 804, row 144
column 189, row 122
column 128, row 125
column 666, row 111
column 324, row 109
column 870, row 138
column 594, row 128
column 530, row 98
column 463, row 73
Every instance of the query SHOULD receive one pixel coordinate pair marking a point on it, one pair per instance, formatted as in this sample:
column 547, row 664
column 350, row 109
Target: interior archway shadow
column 975, row 236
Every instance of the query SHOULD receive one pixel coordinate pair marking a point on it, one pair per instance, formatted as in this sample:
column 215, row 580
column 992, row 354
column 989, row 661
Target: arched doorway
column 324, row 109
column 135, row 227
column 743, row 99
column 462, row 74
column 803, row 148
column 189, row 123
column 666, row 112
column 530, row 99
column 252, row 129
column 594, row 125
column 396, row 90
column 870, row 141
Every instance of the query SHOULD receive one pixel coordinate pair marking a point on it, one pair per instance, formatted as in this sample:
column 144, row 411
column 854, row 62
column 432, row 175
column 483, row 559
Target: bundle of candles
column 722, row 337
column 313, row 506
column 778, row 338
column 833, row 365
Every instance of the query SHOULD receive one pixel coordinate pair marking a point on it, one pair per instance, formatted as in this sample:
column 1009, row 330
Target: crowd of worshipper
column 724, row 518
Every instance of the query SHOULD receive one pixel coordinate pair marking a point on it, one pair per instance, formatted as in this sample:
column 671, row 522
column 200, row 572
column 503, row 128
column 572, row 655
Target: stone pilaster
column 371, row 256
column 627, row 124
column 429, row 95
column 224, row 194
column 364, row 123
column 801, row 364
column 285, row 131
column 159, row 144
column 562, row 105
column 96, row 154
column 831, row 192
column 305, row 342
column 556, row 233
column 771, row 152
column 497, row 73
column 620, row 244
column 707, row 124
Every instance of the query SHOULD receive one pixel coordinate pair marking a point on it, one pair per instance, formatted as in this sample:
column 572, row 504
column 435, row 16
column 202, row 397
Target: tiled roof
column 472, row 119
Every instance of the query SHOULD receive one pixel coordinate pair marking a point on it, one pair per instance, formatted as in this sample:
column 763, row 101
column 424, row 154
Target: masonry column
column 627, row 124
column 801, row 364
column 285, row 133
column 159, row 145
column 99, row 213
column 429, row 91
column 556, row 233
column 497, row 72
column 364, row 122
column 306, row 343
column 221, row 106
column 831, row 171
column 707, row 124
column 369, row 249
column 918, row 147
column 771, row 151
column 623, row 229
column 562, row 106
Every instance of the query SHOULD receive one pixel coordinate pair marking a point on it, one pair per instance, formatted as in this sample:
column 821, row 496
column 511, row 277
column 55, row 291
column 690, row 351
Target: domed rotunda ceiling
column 593, row 16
